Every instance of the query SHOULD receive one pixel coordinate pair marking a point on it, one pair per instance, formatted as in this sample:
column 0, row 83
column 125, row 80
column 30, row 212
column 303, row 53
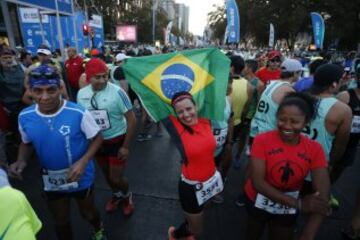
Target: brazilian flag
column 202, row 72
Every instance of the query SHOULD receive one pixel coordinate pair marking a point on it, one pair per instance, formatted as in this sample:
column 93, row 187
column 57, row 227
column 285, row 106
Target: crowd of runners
column 292, row 119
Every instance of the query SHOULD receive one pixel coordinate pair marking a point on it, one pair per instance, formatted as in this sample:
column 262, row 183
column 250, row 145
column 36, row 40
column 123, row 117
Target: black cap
column 326, row 75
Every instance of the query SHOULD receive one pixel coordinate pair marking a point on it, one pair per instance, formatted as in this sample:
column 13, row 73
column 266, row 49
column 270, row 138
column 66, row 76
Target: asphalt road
column 153, row 171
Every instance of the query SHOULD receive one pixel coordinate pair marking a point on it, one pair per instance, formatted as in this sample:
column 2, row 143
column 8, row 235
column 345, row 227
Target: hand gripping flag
column 202, row 72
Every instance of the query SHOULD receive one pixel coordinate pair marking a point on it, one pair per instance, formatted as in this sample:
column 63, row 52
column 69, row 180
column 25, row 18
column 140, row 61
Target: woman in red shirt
column 280, row 161
column 199, row 179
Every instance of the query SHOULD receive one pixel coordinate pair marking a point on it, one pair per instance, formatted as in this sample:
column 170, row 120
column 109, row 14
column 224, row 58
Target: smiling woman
column 199, row 179
column 280, row 161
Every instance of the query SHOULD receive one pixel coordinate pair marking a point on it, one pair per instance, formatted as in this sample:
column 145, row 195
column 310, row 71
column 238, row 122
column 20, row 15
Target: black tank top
column 354, row 104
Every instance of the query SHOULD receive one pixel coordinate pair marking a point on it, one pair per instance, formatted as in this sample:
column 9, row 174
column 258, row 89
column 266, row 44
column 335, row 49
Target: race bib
column 355, row 126
column 101, row 118
column 57, row 181
column 272, row 207
column 220, row 136
column 210, row 188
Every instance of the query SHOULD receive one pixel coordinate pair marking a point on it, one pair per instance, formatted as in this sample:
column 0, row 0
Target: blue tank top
column 265, row 117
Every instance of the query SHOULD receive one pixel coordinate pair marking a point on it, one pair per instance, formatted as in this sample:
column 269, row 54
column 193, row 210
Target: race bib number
column 101, row 118
column 57, row 181
column 272, row 207
column 210, row 188
column 355, row 126
column 220, row 136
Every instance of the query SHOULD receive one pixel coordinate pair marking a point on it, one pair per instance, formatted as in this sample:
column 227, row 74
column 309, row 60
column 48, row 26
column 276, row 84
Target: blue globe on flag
column 176, row 78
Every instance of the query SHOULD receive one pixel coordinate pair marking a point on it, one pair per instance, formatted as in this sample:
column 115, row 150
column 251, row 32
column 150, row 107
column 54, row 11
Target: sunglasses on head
column 38, row 75
column 275, row 60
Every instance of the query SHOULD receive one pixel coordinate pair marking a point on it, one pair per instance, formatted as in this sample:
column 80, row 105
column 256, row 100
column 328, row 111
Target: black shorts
column 82, row 194
column 263, row 217
column 188, row 199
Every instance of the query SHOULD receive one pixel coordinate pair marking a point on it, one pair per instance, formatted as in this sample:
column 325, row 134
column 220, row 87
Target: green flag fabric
column 202, row 72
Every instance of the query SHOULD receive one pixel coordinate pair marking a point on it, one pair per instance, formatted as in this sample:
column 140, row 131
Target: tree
column 291, row 17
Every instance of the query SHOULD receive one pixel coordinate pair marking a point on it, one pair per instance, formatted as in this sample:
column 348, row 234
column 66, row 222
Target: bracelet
column 298, row 203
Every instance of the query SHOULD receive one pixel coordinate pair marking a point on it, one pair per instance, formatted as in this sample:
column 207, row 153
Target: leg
column 280, row 232
column 116, row 179
column 256, row 221
column 195, row 223
column 282, row 227
column 254, row 227
column 60, row 209
column 88, row 210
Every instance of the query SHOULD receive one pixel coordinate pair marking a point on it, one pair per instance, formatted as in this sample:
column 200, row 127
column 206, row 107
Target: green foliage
column 131, row 12
column 290, row 17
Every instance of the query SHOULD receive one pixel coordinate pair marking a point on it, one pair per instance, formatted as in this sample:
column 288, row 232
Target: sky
column 198, row 13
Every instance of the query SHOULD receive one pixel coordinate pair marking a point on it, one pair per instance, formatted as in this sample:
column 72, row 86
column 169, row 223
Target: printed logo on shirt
column 311, row 132
column 285, row 172
column 304, row 157
column 64, row 130
column 275, row 151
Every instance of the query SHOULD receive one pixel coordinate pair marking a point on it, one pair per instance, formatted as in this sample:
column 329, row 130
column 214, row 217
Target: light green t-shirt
column 108, row 107
column 17, row 218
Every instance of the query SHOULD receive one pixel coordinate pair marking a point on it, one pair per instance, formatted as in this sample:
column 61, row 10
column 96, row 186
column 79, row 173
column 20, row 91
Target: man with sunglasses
column 65, row 138
column 112, row 110
column 272, row 70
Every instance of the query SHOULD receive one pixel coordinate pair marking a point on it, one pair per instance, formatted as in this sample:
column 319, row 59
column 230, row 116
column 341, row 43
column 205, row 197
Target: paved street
column 153, row 171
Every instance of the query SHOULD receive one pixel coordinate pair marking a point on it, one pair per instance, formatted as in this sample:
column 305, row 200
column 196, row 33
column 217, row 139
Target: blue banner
column 233, row 22
column 63, row 5
column 33, row 31
column 318, row 29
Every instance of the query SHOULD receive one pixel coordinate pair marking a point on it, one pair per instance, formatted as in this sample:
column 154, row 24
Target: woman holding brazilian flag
column 185, row 90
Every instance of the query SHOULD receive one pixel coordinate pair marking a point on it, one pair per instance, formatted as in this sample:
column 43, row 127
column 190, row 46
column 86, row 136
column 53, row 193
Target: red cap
column 94, row 52
column 93, row 67
column 273, row 54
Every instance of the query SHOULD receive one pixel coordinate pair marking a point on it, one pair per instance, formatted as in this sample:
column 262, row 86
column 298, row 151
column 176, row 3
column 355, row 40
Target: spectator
column 74, row 68
column 11, row 85
column 272, row 70
column 26, row 60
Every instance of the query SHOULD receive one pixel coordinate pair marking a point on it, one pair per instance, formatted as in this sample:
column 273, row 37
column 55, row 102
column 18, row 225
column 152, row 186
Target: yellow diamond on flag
column 175, row 75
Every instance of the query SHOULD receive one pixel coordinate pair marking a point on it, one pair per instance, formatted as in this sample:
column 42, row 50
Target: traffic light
column 85, row 29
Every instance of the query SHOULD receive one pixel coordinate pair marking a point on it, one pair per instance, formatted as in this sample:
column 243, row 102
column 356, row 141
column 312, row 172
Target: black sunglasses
column 275, row 60
column 38, row 75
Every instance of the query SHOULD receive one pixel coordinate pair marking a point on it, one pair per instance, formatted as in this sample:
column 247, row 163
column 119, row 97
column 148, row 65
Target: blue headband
column 34, row 82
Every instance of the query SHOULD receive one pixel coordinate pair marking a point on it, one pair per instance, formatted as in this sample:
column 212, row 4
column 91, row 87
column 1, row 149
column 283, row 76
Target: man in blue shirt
column 305, row 83
column 65, row 138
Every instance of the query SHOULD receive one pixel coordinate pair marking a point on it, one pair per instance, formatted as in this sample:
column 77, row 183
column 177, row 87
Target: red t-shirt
column 74, row 69
column 286, row 166
column 199, row 149
column 265, row 75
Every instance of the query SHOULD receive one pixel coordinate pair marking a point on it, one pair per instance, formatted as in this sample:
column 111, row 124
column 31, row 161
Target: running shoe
column 99, row 235
column 128, row 205
column 171, row 234
column 112, row 205
column 334, row 202
column 144, row 137
column 240, row 201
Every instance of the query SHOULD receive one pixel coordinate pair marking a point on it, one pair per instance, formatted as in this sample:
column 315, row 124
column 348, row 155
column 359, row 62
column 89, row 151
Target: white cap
column 121, row 57
column 291, row 65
